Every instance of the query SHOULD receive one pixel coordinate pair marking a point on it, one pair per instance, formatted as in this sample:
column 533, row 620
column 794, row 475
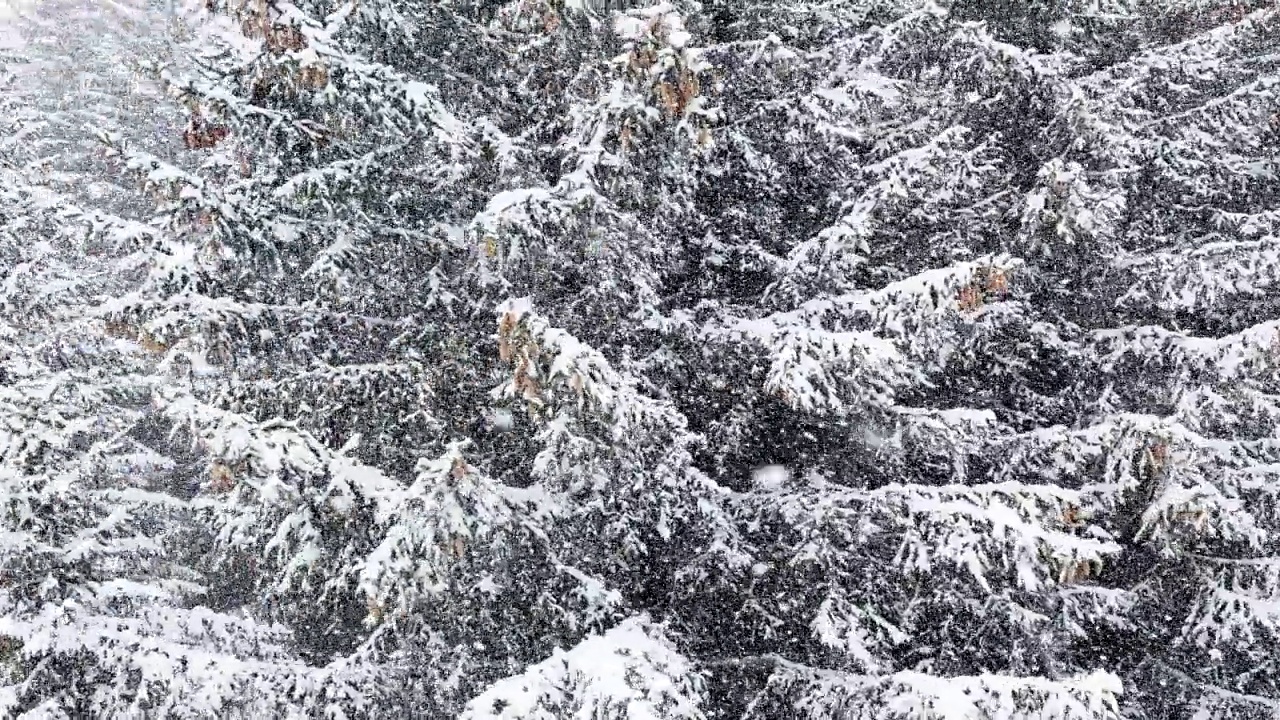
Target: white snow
column 770, row 478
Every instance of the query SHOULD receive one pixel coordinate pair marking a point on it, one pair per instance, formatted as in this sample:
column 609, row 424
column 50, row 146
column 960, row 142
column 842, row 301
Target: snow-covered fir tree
column 103, row 612
column 543, row 359
column 358, row 471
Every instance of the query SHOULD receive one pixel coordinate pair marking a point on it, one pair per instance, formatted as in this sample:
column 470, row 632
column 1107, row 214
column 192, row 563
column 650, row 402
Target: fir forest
column 637, row 360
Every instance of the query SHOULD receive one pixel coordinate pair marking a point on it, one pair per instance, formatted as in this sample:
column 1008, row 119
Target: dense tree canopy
column 540, row 359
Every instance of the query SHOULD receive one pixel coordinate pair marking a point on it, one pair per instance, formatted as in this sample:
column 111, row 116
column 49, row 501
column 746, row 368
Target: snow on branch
column 554, row 368
column 1231, row 358
column 622, row 455
column 164, row 659
column 1203, row 278
column 631, row 672
column 274, row 489
column 858, row 348
column 1150, row 479
column 1239, row 603
column 898, row 176
column 808, row 693
column 449, row 511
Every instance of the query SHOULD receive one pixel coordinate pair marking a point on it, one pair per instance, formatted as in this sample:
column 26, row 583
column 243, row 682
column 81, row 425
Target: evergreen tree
column 100, row 609
column 426, row 570
column 992, row 282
